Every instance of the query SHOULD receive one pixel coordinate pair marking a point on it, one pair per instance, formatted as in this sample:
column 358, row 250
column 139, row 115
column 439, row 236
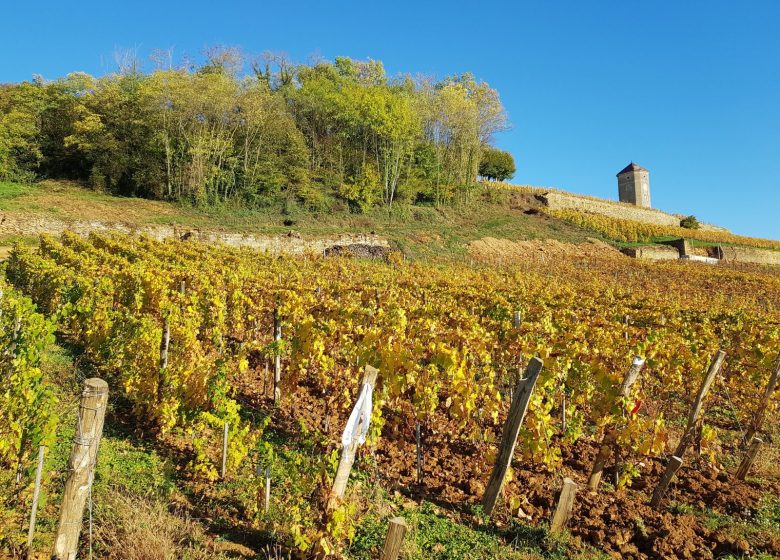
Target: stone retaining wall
column 291, row 243
column 653, row 252
column 712, row 256
column 561, row 201
column 750, row 255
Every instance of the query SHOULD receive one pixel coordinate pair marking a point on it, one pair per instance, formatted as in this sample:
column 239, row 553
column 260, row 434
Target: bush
column 690, row 222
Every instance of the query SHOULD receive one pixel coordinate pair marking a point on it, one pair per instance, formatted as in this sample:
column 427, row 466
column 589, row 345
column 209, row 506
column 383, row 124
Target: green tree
column 496, row 165
column 284, row 134
column 20, row 150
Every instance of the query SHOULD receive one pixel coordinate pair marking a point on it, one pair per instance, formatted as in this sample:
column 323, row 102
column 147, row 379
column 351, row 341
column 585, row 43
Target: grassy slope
column 422, row 231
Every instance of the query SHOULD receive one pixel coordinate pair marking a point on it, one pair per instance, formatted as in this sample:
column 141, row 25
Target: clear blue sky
column 688, row 89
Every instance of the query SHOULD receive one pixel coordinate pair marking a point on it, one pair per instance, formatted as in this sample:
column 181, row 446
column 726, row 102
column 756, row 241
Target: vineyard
column 629, row 231
column 195, row 340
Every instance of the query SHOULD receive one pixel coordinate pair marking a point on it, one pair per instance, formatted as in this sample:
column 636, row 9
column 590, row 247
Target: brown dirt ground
column 491, row 250
column 619, row 522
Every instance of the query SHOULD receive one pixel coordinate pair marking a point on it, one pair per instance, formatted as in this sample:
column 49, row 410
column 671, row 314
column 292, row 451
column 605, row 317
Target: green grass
column 422, row 232
column 134, row 485
column 10, row 191
column 435, row 536
column 763, row 526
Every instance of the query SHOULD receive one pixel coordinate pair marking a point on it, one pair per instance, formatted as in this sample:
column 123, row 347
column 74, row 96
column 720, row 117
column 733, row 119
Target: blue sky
column 688, row 89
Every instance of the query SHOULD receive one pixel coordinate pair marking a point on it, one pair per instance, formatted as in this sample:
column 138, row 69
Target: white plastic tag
column 357, row 425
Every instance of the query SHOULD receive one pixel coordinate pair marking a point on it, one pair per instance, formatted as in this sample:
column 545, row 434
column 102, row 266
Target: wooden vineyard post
column 563, row 411
column 698, row 404
column 277, row 358
column 89, row 428
column 165, row 343
column 267, row 501
column 758, row 417
column 418, row 441
column 351, row 445
column 674, row 465
column 225, row 433
column 610, row 436
column 265, row 379
column 690, row 430
column 517, row 319
column 565, row 505
column 396, row 532
column 36, row 494
column 749, row 459
column 514, row 421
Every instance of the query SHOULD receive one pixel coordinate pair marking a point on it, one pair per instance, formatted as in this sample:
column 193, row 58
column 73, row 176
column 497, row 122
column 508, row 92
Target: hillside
column 487, row 225
column 419, row 231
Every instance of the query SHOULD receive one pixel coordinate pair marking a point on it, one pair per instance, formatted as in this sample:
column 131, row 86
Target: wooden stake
column 673, row 466
column 265, row 380
column 563, row 411
column 348, row 453
column 11, row 350
column 520, row 400
column 89, row 428
column 763, row 405
column 36, row 494
column 165, row 343
column 225, row 449
column 749, row 459
column 517, row 319
column 698, row 403
column 277, row 358
column 396, row 532
column 565, row 505
column 690, row 430
column 611, row 434
column 267, row 502
column 418, row 439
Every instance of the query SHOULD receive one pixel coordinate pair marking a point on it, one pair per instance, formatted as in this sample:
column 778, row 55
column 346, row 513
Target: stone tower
column 634, row 185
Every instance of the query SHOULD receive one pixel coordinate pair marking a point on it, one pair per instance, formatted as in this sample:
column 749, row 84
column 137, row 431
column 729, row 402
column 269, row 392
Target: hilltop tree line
column 313, row 134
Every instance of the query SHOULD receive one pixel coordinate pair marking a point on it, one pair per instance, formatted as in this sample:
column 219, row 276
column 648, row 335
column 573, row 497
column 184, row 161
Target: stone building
column 634, row 185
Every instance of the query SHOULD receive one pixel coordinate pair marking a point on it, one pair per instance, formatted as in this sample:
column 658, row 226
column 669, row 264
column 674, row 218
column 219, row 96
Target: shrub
column 690, row 222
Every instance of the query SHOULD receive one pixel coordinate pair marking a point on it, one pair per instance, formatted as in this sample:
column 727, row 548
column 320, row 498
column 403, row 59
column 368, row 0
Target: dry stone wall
column 291, row 243
column 556, row 199
column 749, row 255
column 561, row 201
column 653, row 252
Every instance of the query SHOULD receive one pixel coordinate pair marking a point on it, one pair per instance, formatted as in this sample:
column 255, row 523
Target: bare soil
column 619, row 522
column 491, row 250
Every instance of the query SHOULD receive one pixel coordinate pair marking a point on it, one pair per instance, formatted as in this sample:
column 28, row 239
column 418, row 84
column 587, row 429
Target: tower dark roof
column 632, row 167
